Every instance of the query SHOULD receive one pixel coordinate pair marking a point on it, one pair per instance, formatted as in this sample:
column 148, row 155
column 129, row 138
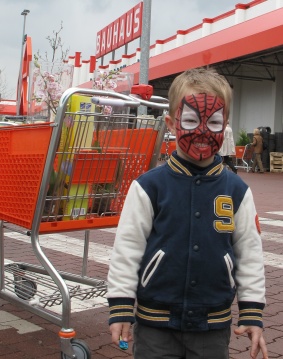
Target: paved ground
column 27, row 336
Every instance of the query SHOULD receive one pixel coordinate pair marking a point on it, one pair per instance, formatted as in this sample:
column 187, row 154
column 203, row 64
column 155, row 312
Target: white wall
column 257, row 103
column 278, row 102
column 257, row 106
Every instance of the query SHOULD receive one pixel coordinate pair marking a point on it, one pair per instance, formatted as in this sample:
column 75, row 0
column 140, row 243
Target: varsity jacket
column 187, row 242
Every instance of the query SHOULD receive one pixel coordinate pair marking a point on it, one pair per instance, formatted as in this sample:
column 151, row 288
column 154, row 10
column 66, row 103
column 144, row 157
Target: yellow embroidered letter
column 223, row 208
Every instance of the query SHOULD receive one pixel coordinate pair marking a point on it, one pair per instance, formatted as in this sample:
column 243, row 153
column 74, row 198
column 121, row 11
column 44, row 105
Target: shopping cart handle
column 108, row 101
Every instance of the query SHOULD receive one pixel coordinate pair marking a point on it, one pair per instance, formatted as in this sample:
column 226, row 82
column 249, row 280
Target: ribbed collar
column 180, row 165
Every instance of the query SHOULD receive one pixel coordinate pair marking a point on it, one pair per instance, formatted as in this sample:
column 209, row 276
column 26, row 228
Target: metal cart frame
column 244, row 156
column 70, row 348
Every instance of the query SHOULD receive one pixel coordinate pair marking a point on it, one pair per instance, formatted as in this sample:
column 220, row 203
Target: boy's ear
column 170, row 123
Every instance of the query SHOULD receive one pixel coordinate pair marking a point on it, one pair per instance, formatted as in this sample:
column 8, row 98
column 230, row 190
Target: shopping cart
column 244, row 156
column 70, row 175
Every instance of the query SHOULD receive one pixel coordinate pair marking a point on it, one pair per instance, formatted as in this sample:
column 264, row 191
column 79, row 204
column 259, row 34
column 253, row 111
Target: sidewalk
column 24, row 335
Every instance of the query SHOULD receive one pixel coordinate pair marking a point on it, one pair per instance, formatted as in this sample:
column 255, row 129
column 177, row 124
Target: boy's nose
column 202, row 128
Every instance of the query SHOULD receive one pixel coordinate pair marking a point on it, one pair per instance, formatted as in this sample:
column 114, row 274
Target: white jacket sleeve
column 133, row 230
column 247, row 246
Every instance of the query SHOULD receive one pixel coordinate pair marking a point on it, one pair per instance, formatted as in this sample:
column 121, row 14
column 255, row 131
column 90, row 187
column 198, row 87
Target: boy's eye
column 216, row 121
column 189, row 119
column 189, row 123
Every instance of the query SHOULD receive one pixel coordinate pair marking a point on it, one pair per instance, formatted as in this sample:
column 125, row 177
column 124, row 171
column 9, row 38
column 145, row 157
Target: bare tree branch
column 4, row 91
column 56, row 45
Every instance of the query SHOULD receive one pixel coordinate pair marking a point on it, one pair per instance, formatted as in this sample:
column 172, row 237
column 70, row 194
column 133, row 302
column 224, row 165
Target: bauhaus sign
column 123, row 30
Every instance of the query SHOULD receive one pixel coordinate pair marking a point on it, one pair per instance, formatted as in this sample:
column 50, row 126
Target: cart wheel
column 80, row 348
column 25, row 289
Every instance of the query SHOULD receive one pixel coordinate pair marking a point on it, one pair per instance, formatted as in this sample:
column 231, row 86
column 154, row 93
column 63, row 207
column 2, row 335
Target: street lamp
column 24, row 13
column 145, row 48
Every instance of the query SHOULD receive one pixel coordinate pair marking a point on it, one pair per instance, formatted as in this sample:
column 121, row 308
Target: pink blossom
column 47, row 87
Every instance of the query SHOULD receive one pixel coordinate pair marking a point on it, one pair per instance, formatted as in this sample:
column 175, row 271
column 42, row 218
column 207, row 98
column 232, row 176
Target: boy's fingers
column 257, row 341
column 240, row 330
column 120, row 330
column 126, row 334
column 263, row 348
column 255, row 348
column 116, row 329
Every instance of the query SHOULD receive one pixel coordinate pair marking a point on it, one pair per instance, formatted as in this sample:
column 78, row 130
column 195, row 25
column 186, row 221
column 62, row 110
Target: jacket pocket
column 151, row 267
column 230, row 266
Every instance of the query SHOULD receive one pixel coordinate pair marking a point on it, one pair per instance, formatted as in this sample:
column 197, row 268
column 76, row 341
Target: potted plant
column 104, row 189
column 103, row 194
column 243, row 138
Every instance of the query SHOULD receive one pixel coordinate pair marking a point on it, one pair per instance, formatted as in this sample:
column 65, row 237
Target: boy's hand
column 120, row 330
column 256, row 337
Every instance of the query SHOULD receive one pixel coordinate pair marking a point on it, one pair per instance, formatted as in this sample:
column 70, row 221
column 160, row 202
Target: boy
column 188, row 240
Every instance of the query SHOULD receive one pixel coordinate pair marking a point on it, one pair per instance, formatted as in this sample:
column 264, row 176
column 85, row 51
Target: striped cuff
column 121, row 310
column 250, row 314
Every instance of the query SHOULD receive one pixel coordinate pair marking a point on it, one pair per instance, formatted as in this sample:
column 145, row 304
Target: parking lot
column 27, row 336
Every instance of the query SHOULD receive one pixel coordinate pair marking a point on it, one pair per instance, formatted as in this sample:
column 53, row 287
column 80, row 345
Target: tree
column 50, row 75
column 3, row 86
column 56, row 45
column 4, row 93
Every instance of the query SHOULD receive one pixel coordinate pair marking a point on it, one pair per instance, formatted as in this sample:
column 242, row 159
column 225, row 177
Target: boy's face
column 199, row 125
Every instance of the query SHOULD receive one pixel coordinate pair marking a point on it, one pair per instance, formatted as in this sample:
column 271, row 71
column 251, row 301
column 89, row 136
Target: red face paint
column 200, row 125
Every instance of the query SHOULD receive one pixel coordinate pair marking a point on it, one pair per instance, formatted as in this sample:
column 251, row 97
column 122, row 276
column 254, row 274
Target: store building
column 244, row 44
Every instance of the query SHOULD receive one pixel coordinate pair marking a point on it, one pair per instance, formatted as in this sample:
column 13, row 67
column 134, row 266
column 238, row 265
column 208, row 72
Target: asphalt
column 28, row 336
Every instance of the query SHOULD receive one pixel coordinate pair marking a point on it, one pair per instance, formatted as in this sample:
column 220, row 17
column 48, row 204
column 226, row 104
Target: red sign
column 123, row 30
column 115, row 34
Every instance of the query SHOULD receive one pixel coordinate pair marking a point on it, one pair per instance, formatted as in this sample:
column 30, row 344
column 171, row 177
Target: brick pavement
column 91, row 324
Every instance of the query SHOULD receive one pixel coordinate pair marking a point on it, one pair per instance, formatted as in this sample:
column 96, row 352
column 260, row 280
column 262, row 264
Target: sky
column 82, row 20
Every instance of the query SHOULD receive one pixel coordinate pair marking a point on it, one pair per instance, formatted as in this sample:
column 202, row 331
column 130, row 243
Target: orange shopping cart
column 244, row 156
column 72, row 174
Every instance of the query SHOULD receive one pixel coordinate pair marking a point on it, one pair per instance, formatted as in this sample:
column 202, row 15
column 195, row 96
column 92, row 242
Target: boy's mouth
column 200, row 144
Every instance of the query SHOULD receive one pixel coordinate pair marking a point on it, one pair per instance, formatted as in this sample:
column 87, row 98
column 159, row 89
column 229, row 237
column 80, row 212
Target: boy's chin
column 202, row 159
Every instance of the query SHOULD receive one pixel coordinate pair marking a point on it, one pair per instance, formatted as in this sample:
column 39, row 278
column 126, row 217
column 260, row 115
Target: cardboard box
column 77, row 130
column 76, row 208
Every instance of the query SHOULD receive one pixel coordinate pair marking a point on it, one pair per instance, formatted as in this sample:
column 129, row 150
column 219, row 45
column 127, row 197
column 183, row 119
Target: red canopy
column 255, row 35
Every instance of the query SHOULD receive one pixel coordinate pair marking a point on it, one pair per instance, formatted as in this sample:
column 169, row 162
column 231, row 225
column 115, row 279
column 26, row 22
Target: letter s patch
column 223, row 209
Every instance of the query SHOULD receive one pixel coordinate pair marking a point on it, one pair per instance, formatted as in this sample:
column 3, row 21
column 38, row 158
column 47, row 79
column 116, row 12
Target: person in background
column 258, row 149
column 188, row 240
column 228, row 148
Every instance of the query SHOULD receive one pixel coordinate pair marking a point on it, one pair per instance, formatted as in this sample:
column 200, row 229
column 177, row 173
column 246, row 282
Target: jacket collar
column 178, row 164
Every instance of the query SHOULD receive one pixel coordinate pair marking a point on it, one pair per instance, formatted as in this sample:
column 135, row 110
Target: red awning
column 255, row 35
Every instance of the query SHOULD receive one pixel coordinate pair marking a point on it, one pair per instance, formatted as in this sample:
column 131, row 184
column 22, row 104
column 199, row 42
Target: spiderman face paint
column 200, row 125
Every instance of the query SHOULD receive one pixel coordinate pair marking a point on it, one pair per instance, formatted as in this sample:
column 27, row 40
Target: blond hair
column 199, row 81
column 256, row 131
